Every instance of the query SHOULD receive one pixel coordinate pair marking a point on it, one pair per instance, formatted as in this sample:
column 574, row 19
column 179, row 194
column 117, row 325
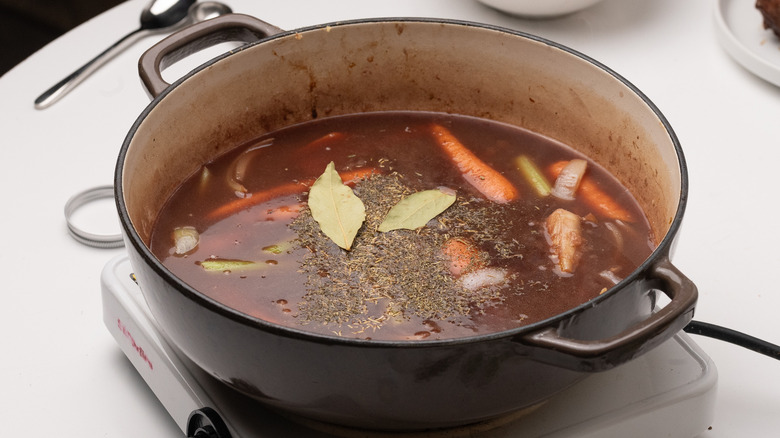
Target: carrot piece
column 324, row 140
column 476, row 172
column 239, row 204
column 461, row 255
column 283, row 213
column 594, row 196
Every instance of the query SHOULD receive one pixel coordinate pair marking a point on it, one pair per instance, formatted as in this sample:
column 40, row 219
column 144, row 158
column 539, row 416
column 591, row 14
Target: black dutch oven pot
column 281, row 78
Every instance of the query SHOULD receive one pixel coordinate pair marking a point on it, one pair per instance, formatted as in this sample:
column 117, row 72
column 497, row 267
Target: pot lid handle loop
column 192, row 39
column 601, row 355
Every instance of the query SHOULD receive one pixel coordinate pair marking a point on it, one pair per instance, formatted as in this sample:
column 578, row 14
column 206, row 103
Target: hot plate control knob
column 206, row 423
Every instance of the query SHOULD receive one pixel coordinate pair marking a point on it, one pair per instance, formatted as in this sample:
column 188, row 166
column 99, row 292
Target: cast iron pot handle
column 604, row 354
column 199, row 36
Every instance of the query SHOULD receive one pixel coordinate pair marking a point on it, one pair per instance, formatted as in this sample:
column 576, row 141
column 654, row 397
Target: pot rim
column 660, row 253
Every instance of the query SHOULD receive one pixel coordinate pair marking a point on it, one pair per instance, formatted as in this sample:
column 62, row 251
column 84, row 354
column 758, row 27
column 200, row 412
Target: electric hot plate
column 667, row 392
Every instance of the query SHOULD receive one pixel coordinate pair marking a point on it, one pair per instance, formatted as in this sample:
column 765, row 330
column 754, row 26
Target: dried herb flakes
column 389, row 275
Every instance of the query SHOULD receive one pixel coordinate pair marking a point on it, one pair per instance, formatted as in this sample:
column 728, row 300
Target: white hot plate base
column 668, row 392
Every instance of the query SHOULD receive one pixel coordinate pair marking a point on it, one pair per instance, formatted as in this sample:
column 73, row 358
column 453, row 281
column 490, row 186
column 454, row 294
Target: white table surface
column 61, row 372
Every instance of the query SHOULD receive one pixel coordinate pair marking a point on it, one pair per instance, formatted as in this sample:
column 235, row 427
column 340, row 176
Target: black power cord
column 206, row 423
column 733, row 337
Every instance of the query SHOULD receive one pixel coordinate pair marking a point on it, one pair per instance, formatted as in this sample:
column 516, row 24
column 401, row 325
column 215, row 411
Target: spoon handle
column 64, row 86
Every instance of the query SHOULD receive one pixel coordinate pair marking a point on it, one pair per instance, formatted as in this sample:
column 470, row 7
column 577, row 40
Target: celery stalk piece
column 279, row 248
column 533, row 175
column 225, row 265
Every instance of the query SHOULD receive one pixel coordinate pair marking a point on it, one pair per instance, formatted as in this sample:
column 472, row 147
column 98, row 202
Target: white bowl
column 539, row 8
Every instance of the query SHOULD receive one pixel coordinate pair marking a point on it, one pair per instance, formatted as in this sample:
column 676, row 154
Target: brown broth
column 291, row 289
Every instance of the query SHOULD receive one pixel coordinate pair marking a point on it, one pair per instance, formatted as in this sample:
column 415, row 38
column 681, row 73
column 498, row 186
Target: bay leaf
column 417, row 209
column 335, row 207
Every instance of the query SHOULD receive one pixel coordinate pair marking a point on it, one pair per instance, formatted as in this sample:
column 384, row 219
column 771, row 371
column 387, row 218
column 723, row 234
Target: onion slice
column 185, row 239
column 483, row 278
column 610, row 276
column 569, row 179
column 237, row 170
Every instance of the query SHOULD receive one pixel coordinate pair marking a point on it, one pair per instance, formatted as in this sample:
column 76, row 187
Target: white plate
column 741, row 32
column 539, row 9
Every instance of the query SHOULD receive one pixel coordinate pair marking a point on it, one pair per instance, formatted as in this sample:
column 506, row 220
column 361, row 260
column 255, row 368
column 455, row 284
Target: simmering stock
column 445, row 226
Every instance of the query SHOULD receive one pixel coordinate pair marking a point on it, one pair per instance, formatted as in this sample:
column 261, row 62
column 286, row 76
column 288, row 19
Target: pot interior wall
column 401, row 65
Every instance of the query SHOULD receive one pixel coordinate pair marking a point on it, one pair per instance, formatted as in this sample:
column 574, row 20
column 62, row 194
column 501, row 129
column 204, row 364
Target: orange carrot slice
column 596, row 198
column 461, row 255
column 325, row 140
column 239, row 204
column 283, row 213
column 476, row 172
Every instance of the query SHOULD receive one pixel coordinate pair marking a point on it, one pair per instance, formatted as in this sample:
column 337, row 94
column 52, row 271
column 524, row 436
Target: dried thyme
column 395, row 274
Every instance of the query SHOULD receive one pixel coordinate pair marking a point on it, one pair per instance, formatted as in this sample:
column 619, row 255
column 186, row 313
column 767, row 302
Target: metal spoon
column 207, row 10
column 159, row 16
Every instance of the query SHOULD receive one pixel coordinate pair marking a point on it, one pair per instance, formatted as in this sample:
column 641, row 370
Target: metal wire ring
column 94, row 240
